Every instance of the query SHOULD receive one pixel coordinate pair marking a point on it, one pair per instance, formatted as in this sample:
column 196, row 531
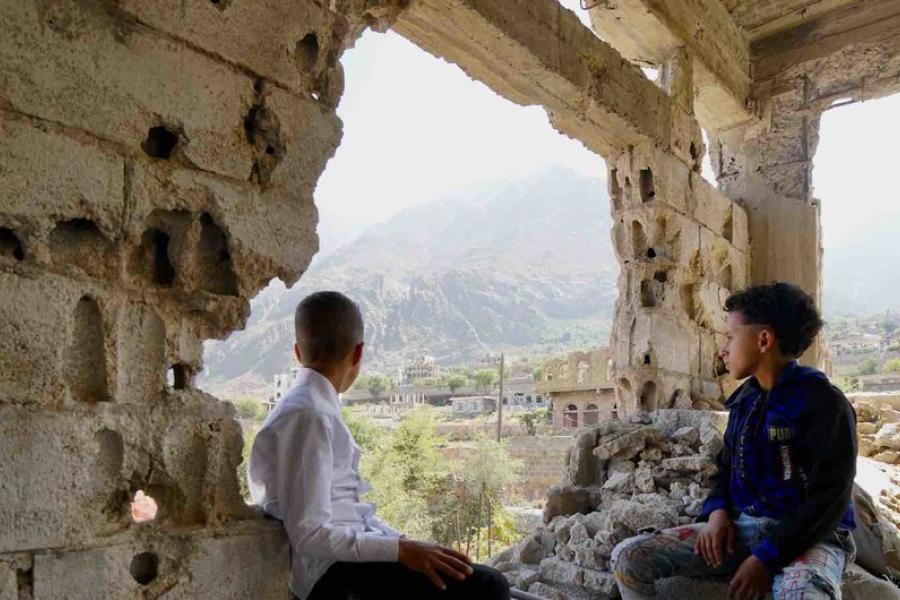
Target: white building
column 469, row 406
column 281, row 383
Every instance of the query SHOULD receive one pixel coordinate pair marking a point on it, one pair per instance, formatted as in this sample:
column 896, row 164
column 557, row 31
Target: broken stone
column 688, row 436
column 554, row 570
column 568, row 500
column 643, row 480
column 627, row 445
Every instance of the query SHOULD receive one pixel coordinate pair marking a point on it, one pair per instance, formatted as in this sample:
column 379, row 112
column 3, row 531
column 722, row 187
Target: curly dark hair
column 784, row 307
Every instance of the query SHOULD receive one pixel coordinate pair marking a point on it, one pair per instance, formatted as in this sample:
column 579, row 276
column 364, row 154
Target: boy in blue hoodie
column 778, row 516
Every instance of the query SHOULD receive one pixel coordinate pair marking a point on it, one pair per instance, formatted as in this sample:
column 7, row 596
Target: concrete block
column 60, row 478
column 284, row 40
column 141, row 352
column 235, row 567
column 672, row 344
column 9, row 589
column 90, row 70
column 49, row 175
column 712, row 208
column 87, row 574
column 36, row 317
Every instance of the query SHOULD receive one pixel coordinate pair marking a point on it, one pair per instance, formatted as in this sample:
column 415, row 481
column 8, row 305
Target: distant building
column 579, row 388
column 470, row 406
column 880, row 383
column 281, row 383
column 519, row 395
column 418, row 368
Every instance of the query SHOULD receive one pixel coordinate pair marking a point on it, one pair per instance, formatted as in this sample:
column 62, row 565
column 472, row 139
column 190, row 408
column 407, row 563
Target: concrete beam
column 537, row 52
column 861, row 44
column 650, row 31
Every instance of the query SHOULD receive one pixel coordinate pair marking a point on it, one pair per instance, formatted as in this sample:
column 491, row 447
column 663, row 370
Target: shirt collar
column 320, row 383
column 752, row 386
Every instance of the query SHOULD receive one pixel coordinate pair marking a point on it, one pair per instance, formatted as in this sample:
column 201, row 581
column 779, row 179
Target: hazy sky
column 416, row 127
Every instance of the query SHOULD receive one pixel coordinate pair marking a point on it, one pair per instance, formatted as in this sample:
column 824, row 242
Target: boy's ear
column 766, row 340
column 297, row 353
column 357, row 353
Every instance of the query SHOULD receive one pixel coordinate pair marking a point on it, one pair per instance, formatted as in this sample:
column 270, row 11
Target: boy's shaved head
column 328, row 326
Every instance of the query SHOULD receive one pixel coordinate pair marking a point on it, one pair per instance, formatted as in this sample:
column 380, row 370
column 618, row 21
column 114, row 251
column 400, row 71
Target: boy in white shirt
column 303, row 470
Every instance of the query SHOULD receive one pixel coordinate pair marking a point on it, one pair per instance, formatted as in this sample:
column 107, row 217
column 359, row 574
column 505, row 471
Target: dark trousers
column 390, row 580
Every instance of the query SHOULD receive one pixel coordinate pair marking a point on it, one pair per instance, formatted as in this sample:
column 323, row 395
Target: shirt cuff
column 711, row 505
column 768, row 553
column 379, row 548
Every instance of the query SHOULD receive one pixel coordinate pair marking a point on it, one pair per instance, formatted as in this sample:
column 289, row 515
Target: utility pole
column 500, row 404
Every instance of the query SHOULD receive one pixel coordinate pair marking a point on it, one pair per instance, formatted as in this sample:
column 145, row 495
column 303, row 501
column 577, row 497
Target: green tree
column 536, row 374
column 531, row 419
column 892, row 366
column 869, row 367
column 456, row 382
column 368, row 435
column 378, row 384
column 249, row 409
column 485, row 379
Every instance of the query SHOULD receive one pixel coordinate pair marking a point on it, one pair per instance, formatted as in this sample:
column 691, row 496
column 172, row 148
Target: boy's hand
column 432, row 560
column 752, row 580
column 718, row 531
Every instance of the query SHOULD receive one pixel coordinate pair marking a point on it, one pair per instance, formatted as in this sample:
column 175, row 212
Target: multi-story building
column 579, row 388
column 418, row 368
column 281, row 383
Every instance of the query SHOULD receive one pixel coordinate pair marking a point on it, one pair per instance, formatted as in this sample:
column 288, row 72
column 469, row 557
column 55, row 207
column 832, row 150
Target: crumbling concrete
column 157, row 165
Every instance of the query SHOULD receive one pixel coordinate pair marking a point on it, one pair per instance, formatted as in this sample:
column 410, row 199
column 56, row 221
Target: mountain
column 523, row 267
column 861, row 273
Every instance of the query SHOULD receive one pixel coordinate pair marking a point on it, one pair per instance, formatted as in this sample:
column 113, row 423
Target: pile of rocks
column 621, row 477
column 878, row 428
column 643, row 472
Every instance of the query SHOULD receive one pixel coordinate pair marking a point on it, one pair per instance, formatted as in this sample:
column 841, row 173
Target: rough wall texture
column 154, row 175
column 682, row 246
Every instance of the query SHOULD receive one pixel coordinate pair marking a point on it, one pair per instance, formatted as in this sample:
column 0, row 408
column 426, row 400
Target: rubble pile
column 621, row 477
column 878, row 428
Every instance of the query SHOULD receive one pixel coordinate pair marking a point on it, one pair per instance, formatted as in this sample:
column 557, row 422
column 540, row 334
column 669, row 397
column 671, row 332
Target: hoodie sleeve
column 829, row 433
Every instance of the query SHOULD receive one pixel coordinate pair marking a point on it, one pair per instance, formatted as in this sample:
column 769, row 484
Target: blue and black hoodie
column 789, row 454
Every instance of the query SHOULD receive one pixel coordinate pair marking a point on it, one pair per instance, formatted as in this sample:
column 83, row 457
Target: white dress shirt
column 304, row 470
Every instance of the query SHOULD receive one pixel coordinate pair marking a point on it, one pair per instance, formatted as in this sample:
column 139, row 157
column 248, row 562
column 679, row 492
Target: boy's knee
column 631, row 563
column 490, row 582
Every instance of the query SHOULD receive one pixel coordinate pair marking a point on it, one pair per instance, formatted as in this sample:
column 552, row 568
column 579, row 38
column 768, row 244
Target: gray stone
column 553, row 570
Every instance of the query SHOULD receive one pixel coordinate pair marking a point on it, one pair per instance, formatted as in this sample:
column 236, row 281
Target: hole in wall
column 307, row 52
column 220, row 4
column 719, row 368
column 215, row 267
column 25, row 583
column 10, row 245
column 86, row 354
column 647, row 359
column 178, row 377
column 687, row 301
column 638, row 239
column 726, row 277
column 160, row 142
column 728, row 228
column 145, row 567
column 661, row 276
column 647, row 401
column 651, row 253
column 163, row 271
column 646, row 185
column 143, row 507
column 262, row 129
column 648, row 298
column 615, row 191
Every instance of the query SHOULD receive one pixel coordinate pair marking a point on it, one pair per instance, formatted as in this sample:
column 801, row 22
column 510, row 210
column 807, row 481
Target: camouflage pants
column 640, row 561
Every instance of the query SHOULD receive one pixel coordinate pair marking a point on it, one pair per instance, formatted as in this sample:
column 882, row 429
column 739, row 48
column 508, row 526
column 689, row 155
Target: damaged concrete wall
column 157, row 164
column 682, row 247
